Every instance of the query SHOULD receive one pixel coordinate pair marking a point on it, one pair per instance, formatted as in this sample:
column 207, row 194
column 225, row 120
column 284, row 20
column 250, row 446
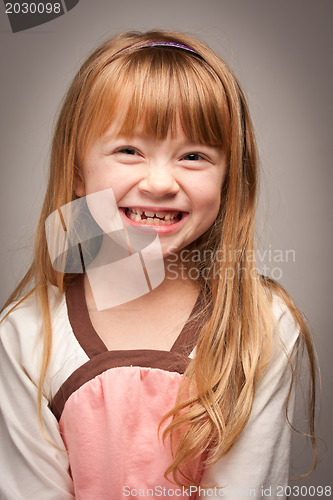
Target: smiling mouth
column 154, row 218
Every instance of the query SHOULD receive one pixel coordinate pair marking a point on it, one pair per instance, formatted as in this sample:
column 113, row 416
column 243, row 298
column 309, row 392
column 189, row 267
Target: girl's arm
column 257, row 466
column 30, row 466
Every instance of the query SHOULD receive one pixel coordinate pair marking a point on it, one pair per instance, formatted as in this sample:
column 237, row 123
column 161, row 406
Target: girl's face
column 172, row 185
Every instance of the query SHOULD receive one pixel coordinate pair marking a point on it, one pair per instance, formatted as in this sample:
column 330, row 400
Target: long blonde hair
column 157, row 86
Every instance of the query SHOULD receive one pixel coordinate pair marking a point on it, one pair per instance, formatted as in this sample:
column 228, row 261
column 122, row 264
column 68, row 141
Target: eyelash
column 126, row 149
column 122, row 150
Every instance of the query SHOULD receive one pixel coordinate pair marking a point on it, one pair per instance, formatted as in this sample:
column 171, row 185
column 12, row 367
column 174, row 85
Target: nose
column 159, row 182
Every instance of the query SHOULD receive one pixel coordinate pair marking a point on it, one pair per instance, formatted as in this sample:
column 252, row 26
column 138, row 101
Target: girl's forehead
column 147, row 125
column 156, row 101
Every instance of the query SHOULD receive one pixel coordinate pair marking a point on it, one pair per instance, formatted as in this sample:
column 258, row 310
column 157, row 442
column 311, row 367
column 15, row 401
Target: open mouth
column 154, row 218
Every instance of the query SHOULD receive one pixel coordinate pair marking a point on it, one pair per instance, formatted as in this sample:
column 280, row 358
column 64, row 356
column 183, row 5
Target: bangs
column 157, row 90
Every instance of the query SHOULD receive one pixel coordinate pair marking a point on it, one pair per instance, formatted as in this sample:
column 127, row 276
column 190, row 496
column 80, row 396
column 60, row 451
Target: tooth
column 160, row 214
column 168, row 217
column 132, row 215
column 137, row 217
column 149, row 213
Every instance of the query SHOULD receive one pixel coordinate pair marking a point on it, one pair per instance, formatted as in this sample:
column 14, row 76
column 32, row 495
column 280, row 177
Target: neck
column 102, row 292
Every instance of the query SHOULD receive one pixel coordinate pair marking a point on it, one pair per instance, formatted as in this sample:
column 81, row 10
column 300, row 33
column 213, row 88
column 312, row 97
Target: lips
column 164, row 220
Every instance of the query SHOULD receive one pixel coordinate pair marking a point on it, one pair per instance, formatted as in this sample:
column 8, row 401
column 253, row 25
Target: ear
column 78, row 183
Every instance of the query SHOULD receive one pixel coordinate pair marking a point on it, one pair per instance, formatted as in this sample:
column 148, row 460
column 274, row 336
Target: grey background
column 281, row 51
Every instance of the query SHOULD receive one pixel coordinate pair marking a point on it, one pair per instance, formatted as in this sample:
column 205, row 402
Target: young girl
column 185, row 391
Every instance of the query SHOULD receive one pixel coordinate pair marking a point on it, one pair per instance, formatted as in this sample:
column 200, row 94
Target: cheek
column 99, row 179
column 208, row 200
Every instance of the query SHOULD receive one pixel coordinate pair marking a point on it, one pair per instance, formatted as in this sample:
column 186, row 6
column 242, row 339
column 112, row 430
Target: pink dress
column 109, row 410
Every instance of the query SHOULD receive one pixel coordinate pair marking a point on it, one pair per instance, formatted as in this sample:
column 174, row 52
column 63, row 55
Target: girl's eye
column 127, row 154
column 128, row 151
column 193, row 157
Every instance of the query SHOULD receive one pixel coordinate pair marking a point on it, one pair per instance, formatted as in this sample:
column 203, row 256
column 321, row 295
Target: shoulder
column 287, row 321
column 23, row 318
column 285, row 325
column 286, row 338
column 21, row 331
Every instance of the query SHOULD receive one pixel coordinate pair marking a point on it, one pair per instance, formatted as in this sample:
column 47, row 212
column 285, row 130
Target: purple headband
column 162, row 44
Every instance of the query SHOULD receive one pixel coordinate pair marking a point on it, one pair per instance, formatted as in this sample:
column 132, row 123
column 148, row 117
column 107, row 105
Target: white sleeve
column 30, row 466
column 257, row 466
